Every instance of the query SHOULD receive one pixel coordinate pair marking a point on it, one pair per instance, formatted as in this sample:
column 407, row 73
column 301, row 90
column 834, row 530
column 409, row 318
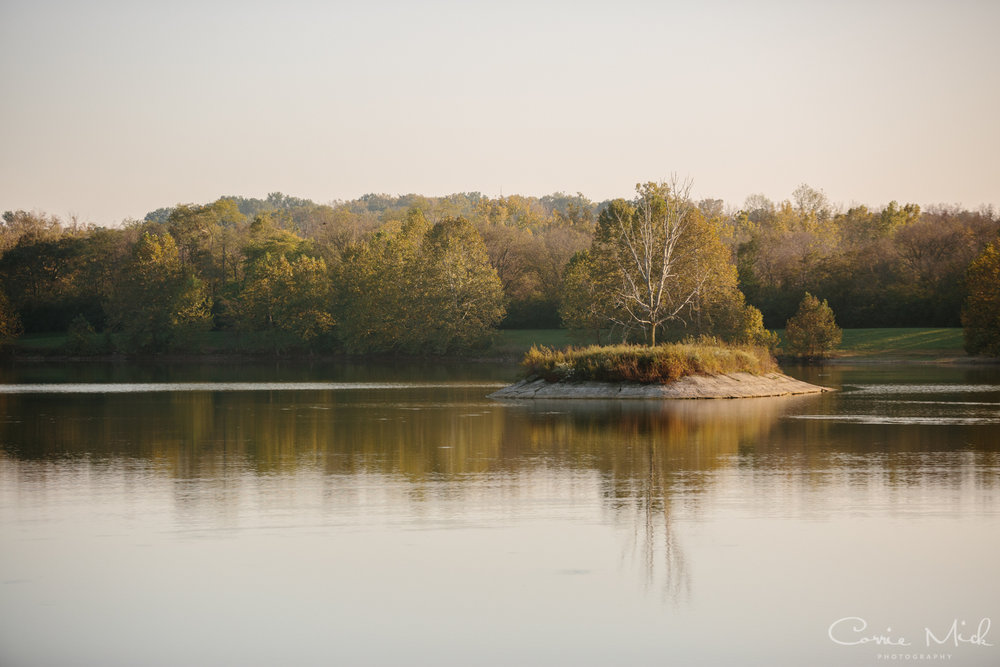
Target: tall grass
column 648, row 365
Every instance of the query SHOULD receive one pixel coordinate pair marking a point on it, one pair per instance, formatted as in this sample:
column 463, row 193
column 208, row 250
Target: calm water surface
column 349, row 515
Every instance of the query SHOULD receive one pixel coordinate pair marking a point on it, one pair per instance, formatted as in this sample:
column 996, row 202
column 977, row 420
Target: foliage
column 812, row 331
column 587, row 295
column 981, row 314
column 463, row 292
column 898, row 265
column 286, row 302
column 648, row 243
column 382, row 290
column 646, row 364
column 158, row 303
column 750, row 329
column 658, row 264
column 420, row 289
column 81, row 337
column 10, row 324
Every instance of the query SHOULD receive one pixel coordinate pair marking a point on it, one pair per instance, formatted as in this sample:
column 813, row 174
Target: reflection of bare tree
column 654, row 457
column 654, row 539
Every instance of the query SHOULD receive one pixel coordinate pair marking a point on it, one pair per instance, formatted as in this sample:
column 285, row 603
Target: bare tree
column 654, row 243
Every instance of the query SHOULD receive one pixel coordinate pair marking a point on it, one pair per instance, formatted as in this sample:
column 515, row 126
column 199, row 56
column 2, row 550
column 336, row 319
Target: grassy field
column 514, row 343
column 899, row 342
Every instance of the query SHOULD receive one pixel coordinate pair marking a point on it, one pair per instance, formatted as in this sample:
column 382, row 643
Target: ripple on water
column 894, row 420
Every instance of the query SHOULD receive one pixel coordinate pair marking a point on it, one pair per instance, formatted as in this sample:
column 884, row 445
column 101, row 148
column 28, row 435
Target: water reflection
column 439, row 449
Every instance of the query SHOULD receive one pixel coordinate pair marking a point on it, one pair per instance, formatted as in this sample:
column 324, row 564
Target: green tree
column 981, row 314
column 464, row 292
column 812, row 331
column 418, row 288
column 587, row 294
column 158, row 303
column 287, row 302
column 383, row 294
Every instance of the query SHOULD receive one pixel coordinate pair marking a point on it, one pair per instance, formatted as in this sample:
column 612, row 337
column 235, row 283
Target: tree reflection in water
column 653, row 455
column 433, row 451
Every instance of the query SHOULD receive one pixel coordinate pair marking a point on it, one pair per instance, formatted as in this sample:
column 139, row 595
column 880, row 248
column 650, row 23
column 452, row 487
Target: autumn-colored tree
column 981, row 314
column 812, row 332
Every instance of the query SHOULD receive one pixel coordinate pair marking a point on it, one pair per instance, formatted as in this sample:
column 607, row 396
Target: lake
column 393, row 515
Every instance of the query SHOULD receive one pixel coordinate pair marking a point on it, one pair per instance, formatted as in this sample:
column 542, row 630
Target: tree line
column 421, row 274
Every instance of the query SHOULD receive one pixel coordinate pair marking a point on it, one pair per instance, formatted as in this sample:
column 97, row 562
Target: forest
column 435, row 275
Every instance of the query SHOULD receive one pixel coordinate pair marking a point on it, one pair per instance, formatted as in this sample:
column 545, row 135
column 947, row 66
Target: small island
column 675, row 370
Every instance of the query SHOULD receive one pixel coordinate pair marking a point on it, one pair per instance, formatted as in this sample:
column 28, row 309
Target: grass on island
column 644, row 364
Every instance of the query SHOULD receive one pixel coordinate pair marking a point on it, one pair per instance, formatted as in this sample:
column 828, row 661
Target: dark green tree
column 812, row 332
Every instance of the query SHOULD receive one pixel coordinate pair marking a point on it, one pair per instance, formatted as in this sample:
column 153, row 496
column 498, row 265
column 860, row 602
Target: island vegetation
column 422, row 275
column 644, row 363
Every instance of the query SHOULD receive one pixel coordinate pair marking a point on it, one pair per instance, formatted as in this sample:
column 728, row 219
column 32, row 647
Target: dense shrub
column 812, row 332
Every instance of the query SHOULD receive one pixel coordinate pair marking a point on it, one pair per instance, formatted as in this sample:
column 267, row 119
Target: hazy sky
column 112, row 109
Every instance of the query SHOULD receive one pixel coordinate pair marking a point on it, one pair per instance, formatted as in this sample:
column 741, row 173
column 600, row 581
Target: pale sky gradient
column 112, row 109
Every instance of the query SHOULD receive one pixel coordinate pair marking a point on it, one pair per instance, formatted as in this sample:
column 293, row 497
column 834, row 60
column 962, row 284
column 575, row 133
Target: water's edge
column 731, row 385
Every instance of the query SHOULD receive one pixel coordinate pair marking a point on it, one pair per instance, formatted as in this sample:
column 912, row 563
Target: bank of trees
column 894, row 266
column 406, row 285
column 433, row 274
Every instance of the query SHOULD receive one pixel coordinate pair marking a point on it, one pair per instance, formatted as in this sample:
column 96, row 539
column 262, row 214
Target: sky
column 111, row 109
